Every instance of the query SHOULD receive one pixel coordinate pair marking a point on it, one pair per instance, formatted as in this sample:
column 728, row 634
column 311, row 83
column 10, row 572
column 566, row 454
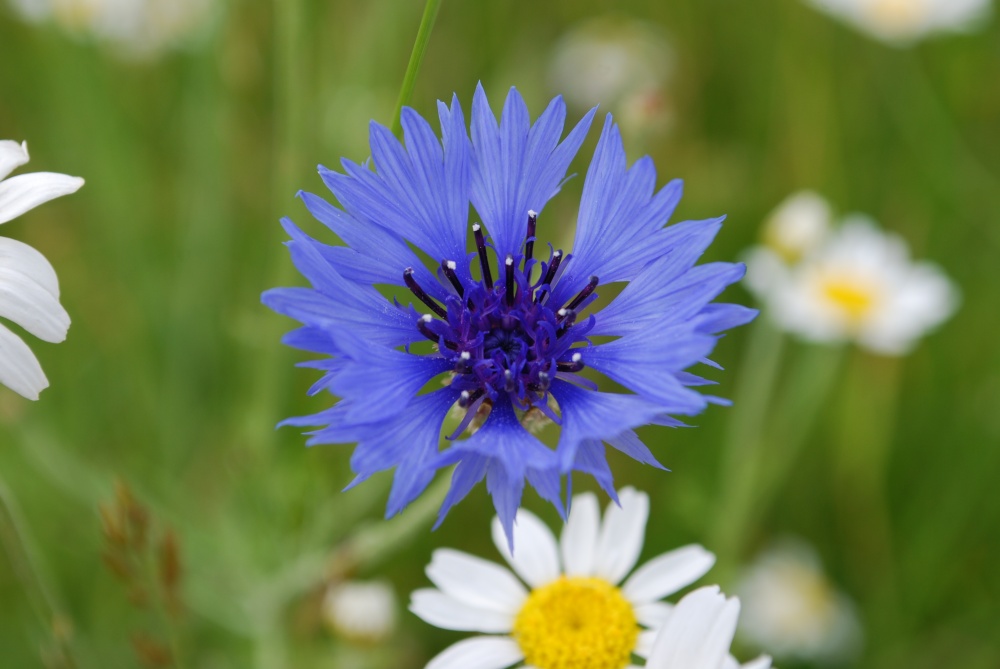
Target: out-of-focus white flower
column 791, row 609
column 902, row 21
column 29, row 289
column 363, row 612
column 139, row 28
column 698, row 633
column 623, row 65
column 853, row 283
column 576, row 610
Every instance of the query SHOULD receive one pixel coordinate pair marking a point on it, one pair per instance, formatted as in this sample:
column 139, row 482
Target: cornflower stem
column 859, row 472
column 15, row 540
column 416, row 58
column 743, row 446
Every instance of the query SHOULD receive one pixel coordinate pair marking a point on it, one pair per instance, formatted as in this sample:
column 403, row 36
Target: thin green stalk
column 742, row 451
column 860, row 471
column 416, row 58
column 13, row 536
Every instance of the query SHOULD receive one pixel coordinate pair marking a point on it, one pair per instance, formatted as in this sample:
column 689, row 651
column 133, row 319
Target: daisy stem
column 742, row 449
column 14, row 538
column 859, row 473
column 416, row 57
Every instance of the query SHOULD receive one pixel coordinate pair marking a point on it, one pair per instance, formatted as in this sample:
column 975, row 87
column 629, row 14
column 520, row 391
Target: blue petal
column 591, row 459
column 588, row 414
column 715, row 318
column 511, row 453
column 382, row 380
column 518, row 167
column 645, row 361
column 651, row 297
column 376, row 254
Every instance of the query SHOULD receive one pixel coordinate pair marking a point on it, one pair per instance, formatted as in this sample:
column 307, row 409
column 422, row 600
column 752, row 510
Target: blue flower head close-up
column 500, row 328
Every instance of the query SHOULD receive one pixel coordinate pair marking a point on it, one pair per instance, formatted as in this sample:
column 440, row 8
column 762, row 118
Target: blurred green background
column 173, row 378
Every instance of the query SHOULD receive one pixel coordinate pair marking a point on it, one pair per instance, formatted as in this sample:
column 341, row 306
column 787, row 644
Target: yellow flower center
column 854, row 297
column 576, row 623
column 897, row 15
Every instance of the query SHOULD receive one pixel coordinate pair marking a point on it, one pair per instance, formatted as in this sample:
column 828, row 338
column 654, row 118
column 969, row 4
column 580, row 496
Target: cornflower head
column 511, row 328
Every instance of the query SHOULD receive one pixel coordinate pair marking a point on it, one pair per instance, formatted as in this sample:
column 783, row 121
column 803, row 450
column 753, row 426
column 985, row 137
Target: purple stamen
column 448, row 267
column 583, row 294
column 484, row 261
column 550, row 275
column 415, row 288
column 529, row 241
column 509, row 280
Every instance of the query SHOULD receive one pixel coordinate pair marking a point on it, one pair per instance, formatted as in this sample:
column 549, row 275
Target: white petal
column 478, row 653
column 622, row 535
column 644, row 644
column 668, row 573
column 19, row 368
column 30, row 305
column 12, row 156
column 654, row 614
column 698, row 633
column 26, row 191
column 762, row 662
column 476, row 582
column 536, row 557
column 25, row 259
column 578, row 543
column 438, row 609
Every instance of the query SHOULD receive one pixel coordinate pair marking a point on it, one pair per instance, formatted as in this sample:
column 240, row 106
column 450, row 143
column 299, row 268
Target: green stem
column 742, row 451
column 416, row 57
column 13, row 536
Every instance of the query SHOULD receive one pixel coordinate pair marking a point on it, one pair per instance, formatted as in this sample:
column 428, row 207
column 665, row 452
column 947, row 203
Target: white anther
column 509, row 261
column 464, row 355
column 532, row 213
column 476, row 227
column 577, row 357
column 506, row 373
column 426, row 318
column 562, row 312
column 451, row 264
column 557, row 254
column 465, row 395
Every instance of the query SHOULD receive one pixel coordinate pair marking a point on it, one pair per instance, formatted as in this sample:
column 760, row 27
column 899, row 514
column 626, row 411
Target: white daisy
column 797, row 227
column 697, row 634
column 574, row 611
column 363, row 612
column 29, row 290
column 624, row 65
column 901, row 21
column 791, row 608
column 861, row 285
column 138, row 28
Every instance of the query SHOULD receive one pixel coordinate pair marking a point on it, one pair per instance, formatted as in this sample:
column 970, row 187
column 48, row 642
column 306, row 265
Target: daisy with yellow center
column 791, row 608
column 903, row 21
column 850, row 283
column 570, row 605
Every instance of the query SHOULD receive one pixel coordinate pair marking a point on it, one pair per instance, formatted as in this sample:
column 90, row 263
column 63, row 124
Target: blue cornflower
column 511, row 330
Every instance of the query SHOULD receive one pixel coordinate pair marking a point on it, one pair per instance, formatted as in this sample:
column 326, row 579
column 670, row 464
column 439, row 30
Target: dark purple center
column 504, row 336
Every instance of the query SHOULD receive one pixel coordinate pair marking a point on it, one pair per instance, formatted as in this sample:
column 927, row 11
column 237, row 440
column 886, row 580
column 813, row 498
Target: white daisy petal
column 698, row 634
column 19, row 368
column 668, row 573
column 644, row 644
column 31, row 306
column 475, row 581
column 26, row 191
column 762, row 662
column 536, row 557
column 12, row 156
column 25, row 259
column 478, row 653
column 440, row 610
column 653, row 614
column 622, row 535
column 578, row 543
